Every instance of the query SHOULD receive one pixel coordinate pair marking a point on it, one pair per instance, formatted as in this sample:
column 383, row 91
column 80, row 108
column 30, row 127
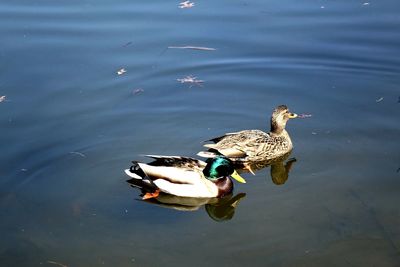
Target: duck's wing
column 238, row 136
column 230, row 152
column 226, row 135
column 237, row 144
column 177, row 162
column 174, row 169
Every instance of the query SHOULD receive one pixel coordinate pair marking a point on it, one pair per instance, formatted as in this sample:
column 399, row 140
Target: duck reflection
column 218, row 209
column 280, row 168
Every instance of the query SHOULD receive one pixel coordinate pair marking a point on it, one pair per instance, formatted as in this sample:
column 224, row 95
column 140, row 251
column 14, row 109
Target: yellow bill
column 293, row 115
column 238, row 178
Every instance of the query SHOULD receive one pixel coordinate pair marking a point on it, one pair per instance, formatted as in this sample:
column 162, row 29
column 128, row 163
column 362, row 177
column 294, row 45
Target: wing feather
column 177, row 162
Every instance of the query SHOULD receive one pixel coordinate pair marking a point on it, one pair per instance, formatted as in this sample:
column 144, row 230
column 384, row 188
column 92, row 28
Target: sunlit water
column 70, row 124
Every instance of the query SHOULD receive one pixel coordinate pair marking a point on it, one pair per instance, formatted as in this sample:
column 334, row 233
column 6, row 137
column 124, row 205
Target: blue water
column 70, row 124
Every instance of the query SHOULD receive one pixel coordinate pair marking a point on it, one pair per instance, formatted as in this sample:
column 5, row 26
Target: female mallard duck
column 185, row 177
column 255, row 145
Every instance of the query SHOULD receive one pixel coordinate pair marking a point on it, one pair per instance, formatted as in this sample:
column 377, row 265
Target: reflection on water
column 279, row 171
column 219, row 209
column 224, row 208
column 340, row 63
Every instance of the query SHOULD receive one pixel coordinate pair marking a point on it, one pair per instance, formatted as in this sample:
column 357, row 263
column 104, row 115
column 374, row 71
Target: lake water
column 69, row 125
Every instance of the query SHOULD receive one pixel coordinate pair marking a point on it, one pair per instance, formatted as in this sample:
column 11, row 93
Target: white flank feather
column 133, row 175
column 202, row 189
column 171, row 173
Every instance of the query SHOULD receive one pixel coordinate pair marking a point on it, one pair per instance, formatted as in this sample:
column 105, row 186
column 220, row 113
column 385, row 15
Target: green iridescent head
column 220, row 167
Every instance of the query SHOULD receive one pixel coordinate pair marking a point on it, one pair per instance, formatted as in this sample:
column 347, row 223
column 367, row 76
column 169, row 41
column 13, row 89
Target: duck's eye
column 221, row 170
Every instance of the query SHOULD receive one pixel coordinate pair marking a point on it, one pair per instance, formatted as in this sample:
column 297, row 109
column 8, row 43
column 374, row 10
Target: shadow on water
column 222, row 209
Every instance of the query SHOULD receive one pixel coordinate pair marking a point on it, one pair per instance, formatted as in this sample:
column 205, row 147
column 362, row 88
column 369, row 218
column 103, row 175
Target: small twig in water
column 193, row 47
column 121, row 71
column 379, row 100
column 78, row 153
column 137, row 91
column 57, row 263
column 302, row 116
column 127, row 44
column 191, row 79
column 186, row 4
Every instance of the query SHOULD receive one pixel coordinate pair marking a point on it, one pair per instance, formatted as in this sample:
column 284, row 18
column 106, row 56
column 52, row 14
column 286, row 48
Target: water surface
column 70, row 125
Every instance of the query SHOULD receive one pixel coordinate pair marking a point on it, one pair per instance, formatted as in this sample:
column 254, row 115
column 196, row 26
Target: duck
column 184, row 176
column 254, row 145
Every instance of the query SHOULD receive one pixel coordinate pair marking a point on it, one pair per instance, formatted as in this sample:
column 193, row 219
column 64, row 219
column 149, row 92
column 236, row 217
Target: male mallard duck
column 185, row 177
column 255, row 145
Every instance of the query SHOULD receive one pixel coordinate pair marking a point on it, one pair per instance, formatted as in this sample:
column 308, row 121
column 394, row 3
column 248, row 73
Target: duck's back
column 241, row 137
column 252, row 145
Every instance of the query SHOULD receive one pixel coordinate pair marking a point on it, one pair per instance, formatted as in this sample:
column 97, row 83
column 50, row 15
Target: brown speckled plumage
column 255, row 145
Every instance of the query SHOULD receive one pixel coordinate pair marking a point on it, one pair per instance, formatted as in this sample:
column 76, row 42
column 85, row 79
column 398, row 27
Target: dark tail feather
column 145, row 184
column 216, row 139
column 135, row 168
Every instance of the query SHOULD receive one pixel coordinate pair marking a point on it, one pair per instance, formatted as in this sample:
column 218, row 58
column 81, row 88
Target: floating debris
column 186, row 4
column 302, row 116
column 313, row 133
column 191, row 79
column 365, row 4
column 121, row 71
column 57, row 263
column 78, row 153
column 379, row 100
column 2, row 98
column 137, row 91
column 127, row 44
column 193, row 47
column 398, row 170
